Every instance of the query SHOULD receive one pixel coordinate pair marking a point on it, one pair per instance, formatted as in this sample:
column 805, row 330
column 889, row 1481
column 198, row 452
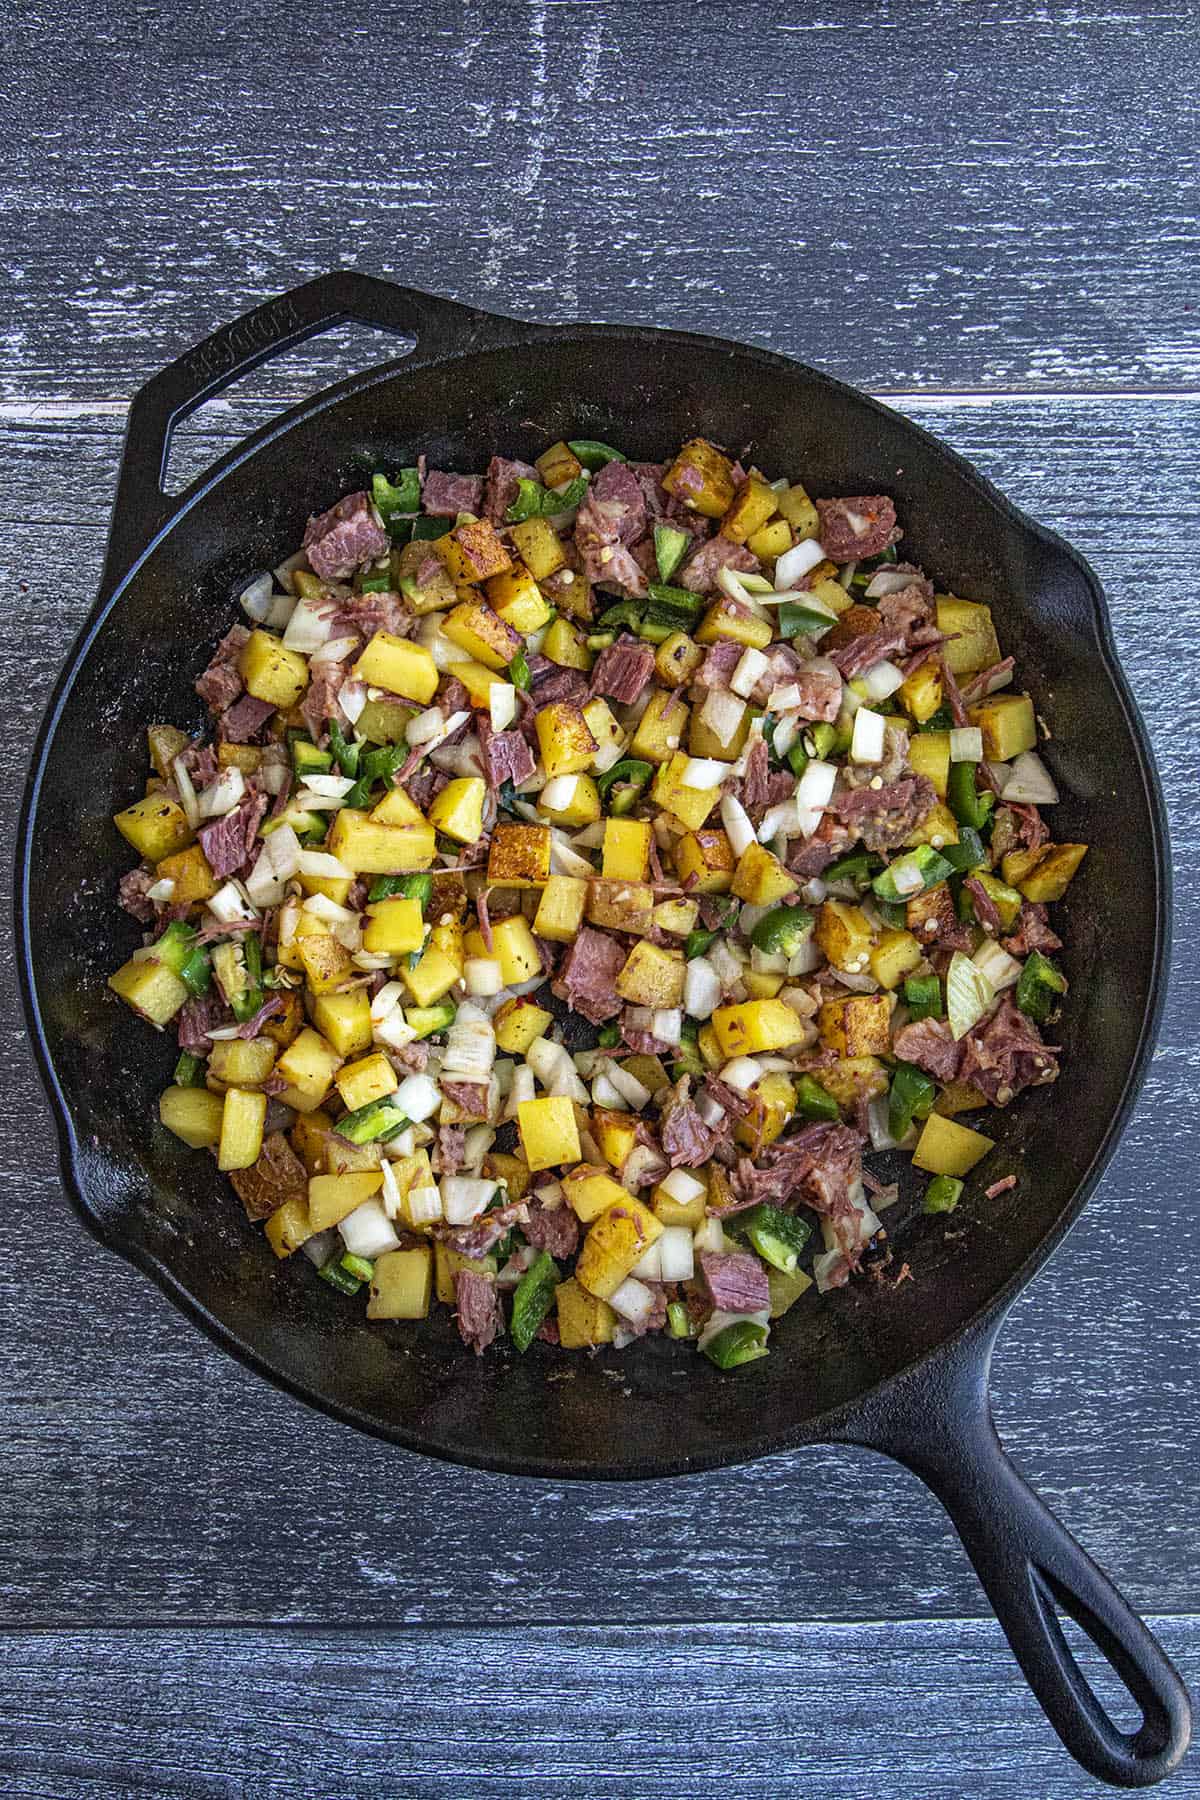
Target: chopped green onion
column 911, row 1097
column 914, row 873
column 671, row 545
column 518, row 671
column 1038, row 987
column 358, row 1266
column 923, row 997
column 378, row 1120
column 189, row 1070
column 969, row 805
column 813, row 1101
column 969, row 993
column 339, row 1276
column 697, row 942
column 401, row 496
column 533, row 1299
column 782, row 931
column 742, row 1342
column 941, row 1196
column 779, row 1237
column 593, row 454
column 679, row 1322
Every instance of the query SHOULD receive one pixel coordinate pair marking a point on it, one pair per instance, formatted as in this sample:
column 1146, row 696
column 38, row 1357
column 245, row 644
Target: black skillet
column 902, row 1370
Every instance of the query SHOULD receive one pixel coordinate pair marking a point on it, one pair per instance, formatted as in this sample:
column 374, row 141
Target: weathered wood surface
column 705, row 1712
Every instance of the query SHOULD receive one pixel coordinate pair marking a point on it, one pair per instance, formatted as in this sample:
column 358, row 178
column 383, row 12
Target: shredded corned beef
column 856, row 528
column 131, row 895
column 555, row 1232
column 444, row 496
column 477, row 1238
column 884, row 817
column 339, row 540
column 500, row 486
column 687, row 1141
column 478, row 1304
column 986, row 910
column 588, row 973
column 221, row 682
column 699, row 572
column 864, row 651
column 1032, row 933
column 736, row 1280
column 623, row 670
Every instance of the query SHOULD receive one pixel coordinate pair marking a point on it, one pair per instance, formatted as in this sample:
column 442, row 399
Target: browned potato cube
column 519, row 856
column 473, row 552
column 929, row 915
column 858, row 1026
column 558, row 464
column 702, row 478
column 620, row 905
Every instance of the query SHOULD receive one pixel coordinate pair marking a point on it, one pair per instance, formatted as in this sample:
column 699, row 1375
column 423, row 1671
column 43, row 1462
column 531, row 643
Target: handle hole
column 1086, row 1647
column 282, row 381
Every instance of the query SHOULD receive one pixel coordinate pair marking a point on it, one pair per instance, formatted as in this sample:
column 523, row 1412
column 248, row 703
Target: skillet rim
column 835, row 1424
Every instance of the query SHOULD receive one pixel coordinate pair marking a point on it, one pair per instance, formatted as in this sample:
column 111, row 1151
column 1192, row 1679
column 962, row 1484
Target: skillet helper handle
column 1031, row 1567
column 141, row 507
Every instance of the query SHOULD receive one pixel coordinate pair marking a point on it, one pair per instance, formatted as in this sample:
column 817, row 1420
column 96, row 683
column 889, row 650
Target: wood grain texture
column 145, row 1466
column 739, row 1712
column 910, row 195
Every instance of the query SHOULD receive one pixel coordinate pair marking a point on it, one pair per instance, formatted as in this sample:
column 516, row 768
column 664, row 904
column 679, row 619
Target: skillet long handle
column 940, row 1426
column 436, row 326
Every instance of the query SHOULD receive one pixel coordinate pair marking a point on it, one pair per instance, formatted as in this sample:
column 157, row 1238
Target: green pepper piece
column 306, row 758
column 626, row 613
column 401, row 496
column 630, row 769
column 374, row 766
column 968, row 853
column 359, row 1266
column 911, row 1096
column 941, row 1196
column 196, row 973
column 338, row 1276
column 247, row 1003
column 671, row 545
column 189, row 1070
column 560, row 500
column 1038, row 987
column 813, row 1101
column 797, row 758
column 923, row 997
column 518, row 671
column 379, row 581
column 608, row 1037
column 174, row 946
column 797, row 620
column 426, row 530
column 923, row 862
column 593, row 454
column 697, row 942
column 533, row 1299
column 893, row 914
column 427, row 1020
column 779, row 1237
column 529, row 503
column 378, row 1120
column 858, row 867
column 677, row 599
column 679, row 1322
column 941, row 720
column 782, row 931
column 688, row 1061
column 742, row 1342
column 969, row 805
column 824, row 737
column 347, row 754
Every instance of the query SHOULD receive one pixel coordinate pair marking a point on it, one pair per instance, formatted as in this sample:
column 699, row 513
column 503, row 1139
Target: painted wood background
column 987, row 215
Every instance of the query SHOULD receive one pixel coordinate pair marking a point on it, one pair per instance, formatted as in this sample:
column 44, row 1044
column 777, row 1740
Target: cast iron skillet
column 902, row 1371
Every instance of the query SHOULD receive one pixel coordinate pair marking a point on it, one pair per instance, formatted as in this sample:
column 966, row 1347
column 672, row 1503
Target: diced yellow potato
column 929, row 755
column 704, row 741
column 591, row 1191
column 308, row 1065
column 564, row 644
column 620, row 905
column 517, row 1023
column 478, row 680
column 770, row 541
column 153, row 991
column 239, row 756
column 370, row 1078
column 602, row 725
column 756, row 1025
column 626, row 850
column 761, row 878
column 843, row 933
column 514, row 948
column 583, row 1320
column 938, row 827
column 479, row 631
column 242, row 1062
column 619, row 1238
column 669, row 1211
column 560, row 909
column 583, row 807
column 332, row 1198
column 652, row 977
column 701, row 478
column 411, row 1173
column 310, row 1140
column 973, row 644
column 855, row 1078
column 458, row 809
column 335, row 888
column 564, row 739
column 515, row 597
column 345, row 1158
column 308, row 585
column 519, row 856
column 432, row 978
column 860, row 1025
column 511, row 1171
column 947, row 1148
column 165, row 743
column 289, row 1226
column 400, row 666
column 155, row 826
column 193, row 1114
column 549, row 1134
column 959, row 1097
column 676, row 916
column 394, row 927
column 1043, row 875
column 326, row 962
column 707, row 856
column 691, row 806
column 660, row 729
column 761, row 984
column 370, row 848
column 799, row 511
column 558, row 465
column 753, row 504
column 726, row 619
column 401, row 1284
column 895, row 955
column 829, row 590
column 677, row 659
column 930, row 914
column 1006, row 899
column 473, row 552
column 1007, row 724
column 345, row 1019
column 921, row 692
column 396, row 808
column 539, row 547
column 241, row 1137
column 270, row 672
column 190, row 872
column 615, row 1134
column 774, row 1100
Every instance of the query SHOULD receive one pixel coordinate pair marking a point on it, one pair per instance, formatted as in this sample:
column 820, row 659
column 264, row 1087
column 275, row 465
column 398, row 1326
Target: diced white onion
column 710, row 1109
column 731, row 582
column 867, row 743
column 877, row 1124
column 273, row 776
column 476, row 1144
column 633, row 1300
column 418, row 1097
column 367, row 1231
column 701, row 989
column 464, row 1197
column 723, row 713
column 742, row 1073
column 334, row 650
column 609, row 753
column 882, row 679
column 969, row 993
column 629, row 1087
column 783, row 819
column 265, row 886
column 648, row 1266
column 225, row 793
column 321, row 1246
column 564, row 860
column 797, row 562
column 784, row 699
column 738, row 828
column 393, row 1030
column 352, row 698
column 703, row 773
column 605, row 1094
column 887, row 581
column 749, row 672
column 187, row 793
column 1001, row 969
column 502, row 703
column 229, row 904
column 681, row 1186
column 668, row 1024
column 255, row 598
column 787, row 730
column 309, row 626
column 676, row 1257
column 161, row 892
column 428, row 726
column 319, row 863
column 483, row 976
column 386, row 1001
column 907, row 876
column 966, row 744
column 335, row 786
column 815, row 787
column 710, row 1235
column 439, row 646
column 424, row 1204
column 320, row 906
column 824, row 1266
column 1028, row 781
column 559, row 792
column 287, row 568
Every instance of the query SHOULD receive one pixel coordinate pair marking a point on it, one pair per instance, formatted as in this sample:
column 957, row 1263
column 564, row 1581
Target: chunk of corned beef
column 864, row 651
column 928, row 1044
column 479, row 1312
column 1033, row 932
column 451, row 1149
column 243, row 721
column 737, row 1281
column 816, row 1168
column 500, row 486
column 686, row 1140
column 853, row 528
column 720, row 661
column 556, row 1232
column 820, row 692
column 952, row 695
column 224, row 843
column 196, row 1018
column 907, row 611
column 276, row 1177
column 320, row 703
column 453, row 696
column 1005, row 1054
column 506, row 755
column 649, row 476
column 611, row 518
column 587, row 977
column 810, row 857
column 470, row 1096
column 700, row 570
column 348, row 534
column 884, row 817
column 1018, row 827
column 221, row 682
column 250, row 1028
column 617, row 489
column 552, row 686
column 200, row 761
column 623, row 670
column 366, row 614
column 477, row 1238
column 444, row 496
column 986, row 910
column 131, row 895
column 736, row 1103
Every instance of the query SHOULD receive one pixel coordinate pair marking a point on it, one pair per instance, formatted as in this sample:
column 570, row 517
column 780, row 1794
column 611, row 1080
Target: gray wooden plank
column 928, row 195
column 740, row 1712
column 144, row 1468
